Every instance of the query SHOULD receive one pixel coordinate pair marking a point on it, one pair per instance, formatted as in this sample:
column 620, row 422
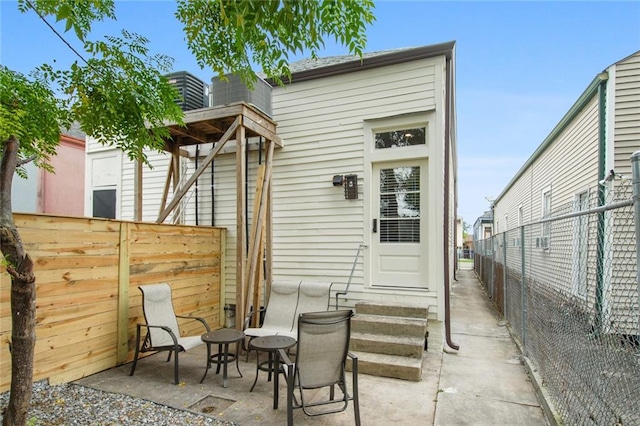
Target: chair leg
column 290, row 385
column 135, row 357
column 356, row 403
column 175, row 365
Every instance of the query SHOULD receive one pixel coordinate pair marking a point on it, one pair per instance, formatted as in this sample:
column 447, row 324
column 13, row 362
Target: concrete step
column 392, row 309
column 398, row 345
column 396, row 367
column 394, row 326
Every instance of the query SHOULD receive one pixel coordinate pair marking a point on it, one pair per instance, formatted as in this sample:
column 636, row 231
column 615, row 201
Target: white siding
column 316, row 230
column 627, row 112
column 567, row 166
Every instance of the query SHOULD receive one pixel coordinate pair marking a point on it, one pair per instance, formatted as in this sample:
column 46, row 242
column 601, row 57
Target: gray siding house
column 584, row 163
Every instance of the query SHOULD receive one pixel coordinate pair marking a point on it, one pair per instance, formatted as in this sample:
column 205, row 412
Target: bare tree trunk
column 23, row 295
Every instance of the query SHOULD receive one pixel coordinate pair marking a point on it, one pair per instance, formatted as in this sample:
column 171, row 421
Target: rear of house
column 363, row 190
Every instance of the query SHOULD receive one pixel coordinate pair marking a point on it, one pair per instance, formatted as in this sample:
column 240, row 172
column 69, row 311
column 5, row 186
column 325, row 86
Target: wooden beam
column 268, row 276
column 190, row 133
column 201, row 168
column 262, row 131
column 255, row 239
column 241, row 220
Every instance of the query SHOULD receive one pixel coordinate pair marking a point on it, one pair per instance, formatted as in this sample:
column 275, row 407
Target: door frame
column 372, row 157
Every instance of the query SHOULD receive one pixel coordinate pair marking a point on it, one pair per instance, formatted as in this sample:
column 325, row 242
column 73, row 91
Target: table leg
column 206, row 370
column 257, row 370
column 219, row 358
column 276, row 373
column 237, row 356
column 224, row 368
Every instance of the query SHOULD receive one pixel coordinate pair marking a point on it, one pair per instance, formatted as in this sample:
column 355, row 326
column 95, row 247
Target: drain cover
column 211, row 404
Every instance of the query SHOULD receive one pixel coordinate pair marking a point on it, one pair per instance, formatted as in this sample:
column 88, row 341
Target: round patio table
column 271, row 345
column 222, row 338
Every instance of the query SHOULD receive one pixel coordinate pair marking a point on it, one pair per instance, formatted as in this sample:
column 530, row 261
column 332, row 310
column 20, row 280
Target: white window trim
column 544, row 241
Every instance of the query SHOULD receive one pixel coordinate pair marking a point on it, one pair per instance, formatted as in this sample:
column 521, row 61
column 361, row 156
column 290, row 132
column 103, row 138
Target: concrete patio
column 484, row 383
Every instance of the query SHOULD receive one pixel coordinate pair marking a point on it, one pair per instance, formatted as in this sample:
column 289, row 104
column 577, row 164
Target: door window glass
column 400, row 138
column 400, row 205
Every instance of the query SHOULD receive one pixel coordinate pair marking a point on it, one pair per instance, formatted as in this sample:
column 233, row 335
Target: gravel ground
column 71, row 404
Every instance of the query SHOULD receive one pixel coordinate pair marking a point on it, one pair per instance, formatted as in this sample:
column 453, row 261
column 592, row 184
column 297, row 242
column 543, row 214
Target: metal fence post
column 523, row 292
column 504, row 274
column 635, row 170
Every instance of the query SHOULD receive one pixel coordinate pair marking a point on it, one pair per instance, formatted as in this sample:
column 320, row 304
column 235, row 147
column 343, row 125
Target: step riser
column 392, row 371
column 410, row 330
column 392, row 310
column 364, row 345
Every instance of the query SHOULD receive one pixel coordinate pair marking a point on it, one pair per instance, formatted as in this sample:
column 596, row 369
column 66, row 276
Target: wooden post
column 123, row 294
column 241, row 220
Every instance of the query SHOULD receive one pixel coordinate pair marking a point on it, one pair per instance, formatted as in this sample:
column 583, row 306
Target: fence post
column 504, row 274
column 635, row 170
column 523, row 292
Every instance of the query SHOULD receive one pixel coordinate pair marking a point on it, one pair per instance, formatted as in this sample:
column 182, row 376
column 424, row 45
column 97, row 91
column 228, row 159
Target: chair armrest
column 284, row 357
column 352, row 356
column 200, row 319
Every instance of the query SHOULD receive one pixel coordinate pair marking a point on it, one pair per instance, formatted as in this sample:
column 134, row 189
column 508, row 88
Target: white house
column 365, row 163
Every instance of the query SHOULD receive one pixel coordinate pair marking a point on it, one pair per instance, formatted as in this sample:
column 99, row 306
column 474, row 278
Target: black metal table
column 271, row 345
column 222, row 338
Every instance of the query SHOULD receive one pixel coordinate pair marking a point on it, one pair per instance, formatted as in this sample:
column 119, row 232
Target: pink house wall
column 62, row 192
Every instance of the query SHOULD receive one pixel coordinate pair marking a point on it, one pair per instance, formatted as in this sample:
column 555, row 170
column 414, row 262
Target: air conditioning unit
column 234, row 90
column 193, row 91
column 542, row 243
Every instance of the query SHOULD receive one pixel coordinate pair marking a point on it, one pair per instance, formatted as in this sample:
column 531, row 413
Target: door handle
column 375, row 226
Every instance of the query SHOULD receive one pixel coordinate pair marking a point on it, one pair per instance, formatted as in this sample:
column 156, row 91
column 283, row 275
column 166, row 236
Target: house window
column 517, row 239
column 400, row 205
column 545, row 238
column 400, row 138
column 104, row 203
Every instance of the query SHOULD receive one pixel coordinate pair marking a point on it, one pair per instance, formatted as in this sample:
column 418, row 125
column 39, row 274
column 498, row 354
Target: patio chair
column 163, row 333
column 322, row 351
column 280, row 314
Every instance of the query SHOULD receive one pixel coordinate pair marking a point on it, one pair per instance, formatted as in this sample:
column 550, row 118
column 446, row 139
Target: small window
column 104, row 203
column 545, row 237
column 400, row 138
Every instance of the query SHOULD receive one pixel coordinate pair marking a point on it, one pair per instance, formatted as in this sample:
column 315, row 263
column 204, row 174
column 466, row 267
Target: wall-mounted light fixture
column 350, row 183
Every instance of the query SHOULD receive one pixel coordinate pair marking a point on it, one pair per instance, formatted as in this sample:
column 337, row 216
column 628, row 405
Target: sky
column 520, row 66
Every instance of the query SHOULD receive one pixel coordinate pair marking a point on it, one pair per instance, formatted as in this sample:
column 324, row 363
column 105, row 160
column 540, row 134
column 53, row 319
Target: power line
column 56, row 32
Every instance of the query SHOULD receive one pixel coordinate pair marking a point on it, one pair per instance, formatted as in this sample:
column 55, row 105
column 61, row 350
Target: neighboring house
column 483, row 226
column 584, row 156
column 60, row 192
column 368, row 158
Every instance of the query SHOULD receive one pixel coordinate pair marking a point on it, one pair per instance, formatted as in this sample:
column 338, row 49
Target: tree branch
column 25, row 160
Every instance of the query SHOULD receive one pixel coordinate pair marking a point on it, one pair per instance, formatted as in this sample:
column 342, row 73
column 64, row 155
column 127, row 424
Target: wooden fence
column 87, row 301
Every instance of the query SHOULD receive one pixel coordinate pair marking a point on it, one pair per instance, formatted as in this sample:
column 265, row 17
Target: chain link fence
column 568, row 286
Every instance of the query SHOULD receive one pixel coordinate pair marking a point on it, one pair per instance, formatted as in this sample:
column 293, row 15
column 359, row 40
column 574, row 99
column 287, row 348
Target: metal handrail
column 353, row 268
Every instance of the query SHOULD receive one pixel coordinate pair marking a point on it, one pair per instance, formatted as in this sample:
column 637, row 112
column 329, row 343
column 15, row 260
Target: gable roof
column 310, row 69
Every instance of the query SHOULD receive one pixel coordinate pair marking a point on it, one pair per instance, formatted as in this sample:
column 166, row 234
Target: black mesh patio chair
column 321, row 356
column 163, row 333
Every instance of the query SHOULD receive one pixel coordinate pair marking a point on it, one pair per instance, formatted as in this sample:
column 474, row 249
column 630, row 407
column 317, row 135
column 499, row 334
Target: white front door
column 399, row 224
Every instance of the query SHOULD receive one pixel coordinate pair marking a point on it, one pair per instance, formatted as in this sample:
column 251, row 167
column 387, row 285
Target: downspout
column 602, row 149
column 447, row 165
